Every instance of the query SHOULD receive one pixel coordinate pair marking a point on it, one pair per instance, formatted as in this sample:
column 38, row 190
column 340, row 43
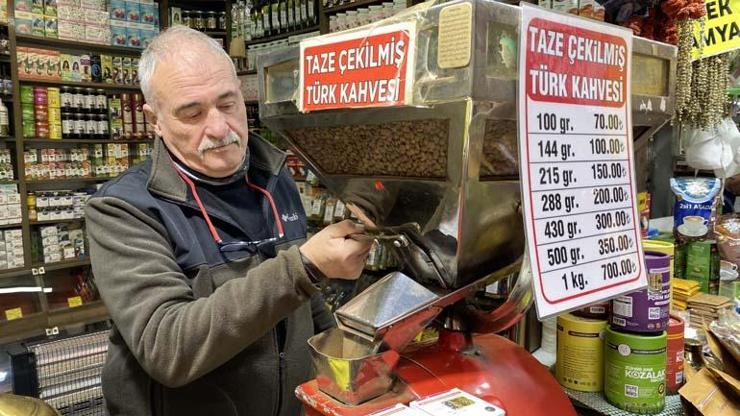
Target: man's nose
column 216, row 125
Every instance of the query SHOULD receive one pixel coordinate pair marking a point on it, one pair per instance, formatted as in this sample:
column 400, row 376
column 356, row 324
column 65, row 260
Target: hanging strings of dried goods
column 700, row 85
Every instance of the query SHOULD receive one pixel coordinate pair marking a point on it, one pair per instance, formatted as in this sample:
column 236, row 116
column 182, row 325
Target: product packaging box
column 37, row 24
column 119, row 37
column 22, row 6
column 94, row 4
column 96, row 17
column 51, row 27
column 599, row 11
column 126, row 70
column 76, row 68
column 117, row 70
column 37, row 6
column 565, row 6
column 50, row 7
column 54, row 65
column 85, row 73
column 135, row 71
column 66, row 66
column 586, row 8
column 175, row 16
column 23, row 23
column 118, row 10
column 97, row 34
column 133, row 12
column 148, row 13
column 146, row 36
column 106, row 64
column 133, row 37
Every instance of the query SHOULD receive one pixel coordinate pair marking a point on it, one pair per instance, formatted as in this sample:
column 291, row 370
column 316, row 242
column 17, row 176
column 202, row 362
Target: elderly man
column 212, row 291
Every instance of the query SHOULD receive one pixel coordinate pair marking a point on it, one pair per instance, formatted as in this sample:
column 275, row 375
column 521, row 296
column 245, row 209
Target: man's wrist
column 316, row 276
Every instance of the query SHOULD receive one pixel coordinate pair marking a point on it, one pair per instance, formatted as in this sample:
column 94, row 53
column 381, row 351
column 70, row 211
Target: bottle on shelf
column 4, row 123
column 274, row 17
column 312, row 12
column 266, row 21
column 283, row 7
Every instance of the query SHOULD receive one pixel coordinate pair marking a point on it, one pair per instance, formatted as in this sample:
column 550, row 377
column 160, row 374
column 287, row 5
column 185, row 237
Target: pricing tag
column 74, row 301
column 14, row 313
column 576, row 160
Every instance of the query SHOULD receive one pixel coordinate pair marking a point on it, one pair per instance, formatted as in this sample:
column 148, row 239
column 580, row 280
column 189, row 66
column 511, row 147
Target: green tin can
column 635, row 371
column 27, row 94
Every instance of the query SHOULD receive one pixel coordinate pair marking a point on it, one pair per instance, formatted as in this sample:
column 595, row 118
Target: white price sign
column 577, row 168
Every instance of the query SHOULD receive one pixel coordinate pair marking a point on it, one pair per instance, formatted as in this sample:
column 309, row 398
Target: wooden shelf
column 68, row 180
column 281, row 36
column 16, row 272
column 83, row 141
column 47, row 222
column 4, row 182
column 6, row 226
column 100, row 85
column 62, row 265
column 4, row 58
column 21, row 328
column 351, row 6
column 84, row 314
column 215, row 32
column 23, row 40
column 247, row 72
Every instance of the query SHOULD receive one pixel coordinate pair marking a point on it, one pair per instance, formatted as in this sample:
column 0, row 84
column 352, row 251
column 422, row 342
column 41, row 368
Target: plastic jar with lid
column 376, row 13
column 332, row 23
column 351, row 19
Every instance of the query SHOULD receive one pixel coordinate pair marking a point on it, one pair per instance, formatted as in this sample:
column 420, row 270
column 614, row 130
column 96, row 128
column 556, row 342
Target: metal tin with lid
column 646, row 310
column 580, row 353
column 674, row 365
column 635, row 371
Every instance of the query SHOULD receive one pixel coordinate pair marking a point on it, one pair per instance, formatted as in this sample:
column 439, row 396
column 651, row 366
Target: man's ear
column 151, row 118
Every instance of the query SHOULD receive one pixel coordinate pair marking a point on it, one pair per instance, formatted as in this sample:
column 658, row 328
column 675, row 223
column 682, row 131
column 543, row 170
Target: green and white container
column 635, row 371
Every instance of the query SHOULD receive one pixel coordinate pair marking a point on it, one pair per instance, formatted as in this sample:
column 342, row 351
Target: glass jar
column 79, row 125
column 67, row 125
column 101, row 101
column 102, row 126
column 91, row 100
column 91, row 125
column 332, row 24
column 78, row 103
column 222, row 21
column 187, row 19
column 198, row 22
column 211, row 21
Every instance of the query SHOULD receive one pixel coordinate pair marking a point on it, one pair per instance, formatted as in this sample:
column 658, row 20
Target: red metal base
column 500, row 372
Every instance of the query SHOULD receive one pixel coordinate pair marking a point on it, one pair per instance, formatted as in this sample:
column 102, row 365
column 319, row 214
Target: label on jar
column 90, row 101
column 101, row 101
column 80, row 126
column 91, row 126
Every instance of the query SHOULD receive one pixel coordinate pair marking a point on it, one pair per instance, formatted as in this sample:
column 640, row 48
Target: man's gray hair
column 168, row 43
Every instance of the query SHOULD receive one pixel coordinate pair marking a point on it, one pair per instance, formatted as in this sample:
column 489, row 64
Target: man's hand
column 335, row 254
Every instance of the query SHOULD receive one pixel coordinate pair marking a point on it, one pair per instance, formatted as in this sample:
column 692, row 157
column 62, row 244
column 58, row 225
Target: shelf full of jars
column 82, row 113
column 213, row 23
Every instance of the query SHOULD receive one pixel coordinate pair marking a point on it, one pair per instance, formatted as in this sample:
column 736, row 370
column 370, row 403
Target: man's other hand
column 335, row 254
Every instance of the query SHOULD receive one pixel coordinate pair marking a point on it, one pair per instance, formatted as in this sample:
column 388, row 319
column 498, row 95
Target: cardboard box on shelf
column 97, row 34
column 23, row 23
column 95, row 4
column 50, row 7
column 23, row 6
column 37, row 6
column 51, row 27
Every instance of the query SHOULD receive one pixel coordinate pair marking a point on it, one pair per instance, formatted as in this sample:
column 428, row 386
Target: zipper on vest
column 281, row 370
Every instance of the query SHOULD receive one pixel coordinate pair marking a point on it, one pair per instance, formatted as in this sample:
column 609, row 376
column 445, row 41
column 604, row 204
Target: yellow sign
column 14, row 313
column 74, row 301
column 721, row 28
